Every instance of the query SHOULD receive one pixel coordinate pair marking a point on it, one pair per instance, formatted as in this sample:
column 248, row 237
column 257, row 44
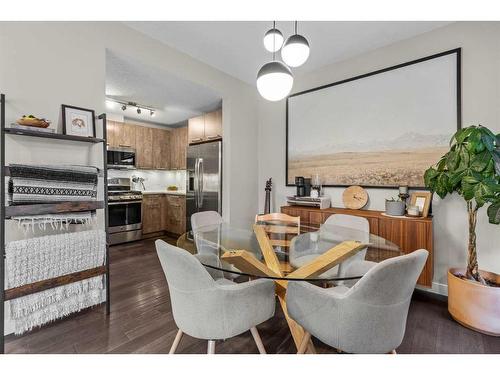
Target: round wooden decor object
column 355, row 197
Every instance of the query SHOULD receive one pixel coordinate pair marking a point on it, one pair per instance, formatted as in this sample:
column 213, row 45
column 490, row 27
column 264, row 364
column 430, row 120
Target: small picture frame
column 421, row 199
column 78, row 121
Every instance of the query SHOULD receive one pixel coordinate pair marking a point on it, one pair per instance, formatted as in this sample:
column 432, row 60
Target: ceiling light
column 274, row 81
column 124, row 107
column 138, row 111
column 273, row 39
column 295, row 51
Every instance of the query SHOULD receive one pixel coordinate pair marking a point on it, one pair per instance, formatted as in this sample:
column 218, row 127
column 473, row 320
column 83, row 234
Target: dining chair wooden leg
column 177, row 339
column 258, row 340
column 303, row 344
column 211, row 347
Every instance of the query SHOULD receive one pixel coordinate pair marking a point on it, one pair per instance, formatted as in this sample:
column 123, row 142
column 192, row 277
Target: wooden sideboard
column 409, row 234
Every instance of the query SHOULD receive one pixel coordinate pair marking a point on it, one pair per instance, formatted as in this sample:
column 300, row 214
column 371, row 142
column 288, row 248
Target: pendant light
column 295, row 51
column 274, row 79
column 273, row 39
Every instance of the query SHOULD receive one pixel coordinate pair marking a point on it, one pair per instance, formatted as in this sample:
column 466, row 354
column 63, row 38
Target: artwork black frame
column 457, row 51
column 63, row 110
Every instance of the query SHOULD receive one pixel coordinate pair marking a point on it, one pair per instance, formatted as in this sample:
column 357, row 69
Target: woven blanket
column 54, row 221
column 40, row 258
column 34, row 184
column 40, row 308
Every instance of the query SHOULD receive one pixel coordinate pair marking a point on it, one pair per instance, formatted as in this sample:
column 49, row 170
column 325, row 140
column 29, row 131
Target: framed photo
column 381, row 129
column 78, row 121
column 422, row 199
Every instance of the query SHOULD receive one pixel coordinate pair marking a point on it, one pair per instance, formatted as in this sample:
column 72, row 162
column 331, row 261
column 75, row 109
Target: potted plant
column 395, row 207
column 472, row 169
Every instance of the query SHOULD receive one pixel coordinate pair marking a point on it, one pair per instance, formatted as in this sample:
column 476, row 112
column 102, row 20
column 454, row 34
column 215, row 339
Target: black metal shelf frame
column 66, row 206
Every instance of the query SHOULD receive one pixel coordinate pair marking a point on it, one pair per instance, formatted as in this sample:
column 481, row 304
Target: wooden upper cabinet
column 213, row 125
column 144, row 147
column 196, row 129
column 206, row 127
column 126, row 135
column 178, row 148
column 120, row 134
column 161, row 149
column 111, row 135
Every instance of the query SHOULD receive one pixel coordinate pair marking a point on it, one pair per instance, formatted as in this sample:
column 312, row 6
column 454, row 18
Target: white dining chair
column 370, row 317
column 212, row 310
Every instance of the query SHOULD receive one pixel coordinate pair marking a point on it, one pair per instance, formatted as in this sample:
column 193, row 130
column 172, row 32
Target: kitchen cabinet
column 120, row 134
column 206, row 127
column 152, row 212
column 144, row 147
column 213, row 125
column 161, row 149
column 125, row 135
column 178, row 148
column 111, row 133
column 196, row 129
column 175, row 214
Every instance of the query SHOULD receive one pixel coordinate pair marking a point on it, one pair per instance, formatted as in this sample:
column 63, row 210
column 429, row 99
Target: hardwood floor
column 141, row 321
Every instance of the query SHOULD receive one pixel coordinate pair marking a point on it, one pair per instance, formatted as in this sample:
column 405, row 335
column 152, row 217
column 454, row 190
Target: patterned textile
column 34, row 184
column 40, row 258
column 39, row 308
column 55, row 221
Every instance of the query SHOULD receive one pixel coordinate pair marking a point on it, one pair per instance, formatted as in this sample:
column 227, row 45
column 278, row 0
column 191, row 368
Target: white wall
column 46, row 64
column 155, row 180
column 480, row 104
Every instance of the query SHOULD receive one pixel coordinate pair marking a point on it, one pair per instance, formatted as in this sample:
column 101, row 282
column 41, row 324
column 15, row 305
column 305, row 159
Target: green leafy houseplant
column 472, row 169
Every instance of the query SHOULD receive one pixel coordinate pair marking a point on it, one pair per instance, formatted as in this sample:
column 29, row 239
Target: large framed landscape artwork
column 380, row 129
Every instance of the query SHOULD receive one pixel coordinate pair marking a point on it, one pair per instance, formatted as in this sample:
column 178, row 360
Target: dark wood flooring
column 141, row 321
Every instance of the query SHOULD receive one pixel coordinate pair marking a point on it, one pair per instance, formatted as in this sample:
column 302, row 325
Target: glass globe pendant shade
column 295, row 51
column 274, row 81
column 273, row 40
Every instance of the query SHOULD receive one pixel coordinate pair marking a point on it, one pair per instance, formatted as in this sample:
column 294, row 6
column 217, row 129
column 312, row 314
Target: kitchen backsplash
column 154, row 179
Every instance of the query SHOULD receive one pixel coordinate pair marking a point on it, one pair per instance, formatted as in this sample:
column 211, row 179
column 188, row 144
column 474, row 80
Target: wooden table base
column 247, row 263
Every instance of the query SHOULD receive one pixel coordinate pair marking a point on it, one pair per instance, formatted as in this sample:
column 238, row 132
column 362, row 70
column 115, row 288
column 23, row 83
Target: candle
column 403, row 190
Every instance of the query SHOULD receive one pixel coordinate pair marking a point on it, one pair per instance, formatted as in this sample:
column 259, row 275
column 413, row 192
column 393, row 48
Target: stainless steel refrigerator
column 204, row 179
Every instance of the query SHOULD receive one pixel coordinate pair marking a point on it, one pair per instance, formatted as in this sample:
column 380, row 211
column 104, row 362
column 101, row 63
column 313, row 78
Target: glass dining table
column 330, row 255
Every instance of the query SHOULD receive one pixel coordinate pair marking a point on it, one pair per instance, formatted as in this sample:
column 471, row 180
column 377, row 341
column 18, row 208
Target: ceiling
column 236, row 48
column 174, row 98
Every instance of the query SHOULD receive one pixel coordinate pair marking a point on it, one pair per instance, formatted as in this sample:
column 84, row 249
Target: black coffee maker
column 303, row 186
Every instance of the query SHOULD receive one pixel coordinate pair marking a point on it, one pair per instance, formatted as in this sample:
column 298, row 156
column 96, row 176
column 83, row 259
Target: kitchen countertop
column 170, row 192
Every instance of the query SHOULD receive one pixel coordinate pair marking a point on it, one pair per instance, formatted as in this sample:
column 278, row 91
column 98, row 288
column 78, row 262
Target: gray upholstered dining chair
column 209, row 220
column 370, row 317
column 357, row 261
column 209, row 309
column 303, row 252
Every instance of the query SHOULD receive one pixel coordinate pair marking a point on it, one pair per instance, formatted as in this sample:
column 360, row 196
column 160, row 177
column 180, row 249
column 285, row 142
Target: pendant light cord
column 274, row 40
column 295, row 27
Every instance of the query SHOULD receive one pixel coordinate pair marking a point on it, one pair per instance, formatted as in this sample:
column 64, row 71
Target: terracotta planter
column 474, row 305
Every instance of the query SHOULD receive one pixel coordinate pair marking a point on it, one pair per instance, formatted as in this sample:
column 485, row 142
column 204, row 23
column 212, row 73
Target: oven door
column 124, row 216
column 123, row 158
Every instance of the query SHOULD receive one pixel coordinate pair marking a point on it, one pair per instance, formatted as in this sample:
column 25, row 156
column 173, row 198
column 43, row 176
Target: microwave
column 121, row 158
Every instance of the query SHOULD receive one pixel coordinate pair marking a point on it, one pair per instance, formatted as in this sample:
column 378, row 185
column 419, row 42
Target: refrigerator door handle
column 201, row 170
column 196, row 181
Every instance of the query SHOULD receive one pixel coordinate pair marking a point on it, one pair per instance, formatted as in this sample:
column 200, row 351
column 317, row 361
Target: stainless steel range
column 125, row 211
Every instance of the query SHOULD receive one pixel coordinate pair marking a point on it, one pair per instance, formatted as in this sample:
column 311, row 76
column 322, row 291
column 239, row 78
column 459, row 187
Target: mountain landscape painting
column 395, row 162
column 379, row 130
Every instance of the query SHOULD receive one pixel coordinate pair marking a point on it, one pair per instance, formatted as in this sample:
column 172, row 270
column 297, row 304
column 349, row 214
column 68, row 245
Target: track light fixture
column 139, row 108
